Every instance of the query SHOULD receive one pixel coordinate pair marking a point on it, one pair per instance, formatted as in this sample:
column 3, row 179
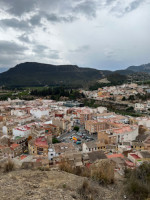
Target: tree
column 55, row 140
column 124, row 98
column 76, row 128
column 131, row 97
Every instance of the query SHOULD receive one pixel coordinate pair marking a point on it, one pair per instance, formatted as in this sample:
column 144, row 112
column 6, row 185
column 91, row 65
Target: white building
column 39, row 112
column 102, row 110
column 139, row 107
column 89, row 147
column 22, row 131
column 18, row 113
column 125, row 134
column 143, row 121
column 51, row 153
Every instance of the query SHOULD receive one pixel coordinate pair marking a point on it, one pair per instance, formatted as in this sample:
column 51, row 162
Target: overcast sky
column 103, row 34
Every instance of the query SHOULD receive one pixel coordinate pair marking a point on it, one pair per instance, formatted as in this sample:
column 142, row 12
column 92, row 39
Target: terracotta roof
column 13, row 146
column 22, row 157
column 41, row 141
column 115, row 156
column 134, row 156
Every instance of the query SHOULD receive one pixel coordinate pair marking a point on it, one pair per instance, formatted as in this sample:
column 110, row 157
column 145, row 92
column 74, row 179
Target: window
column 40, row 149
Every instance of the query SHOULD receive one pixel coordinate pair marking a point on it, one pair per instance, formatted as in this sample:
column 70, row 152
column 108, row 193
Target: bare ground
column 50, row 185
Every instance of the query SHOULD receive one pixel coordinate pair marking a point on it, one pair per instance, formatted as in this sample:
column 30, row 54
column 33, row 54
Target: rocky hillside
column 50, row 185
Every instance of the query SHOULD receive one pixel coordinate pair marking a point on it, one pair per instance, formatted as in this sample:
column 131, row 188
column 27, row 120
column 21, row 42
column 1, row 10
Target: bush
column 103, row 172
column 79, row 171
column 64, row 166
column 137, row 190
column 87, row 192
column 138, row 182
column 9, row 166
column 44, row 168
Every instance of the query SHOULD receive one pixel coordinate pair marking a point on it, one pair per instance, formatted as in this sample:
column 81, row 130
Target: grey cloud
column 80, row 49
column 15, row 23
column 11, row 47
column 24, row 38
column 44, row 51
column 133, row 5
column 60, row 7
column 18, row 7
column 109, row 53
column 54, row 18
column 9, row 51
column 107, row 2
column 120, row 10
column 87, row 8
column 36, row 19
column 39, row 48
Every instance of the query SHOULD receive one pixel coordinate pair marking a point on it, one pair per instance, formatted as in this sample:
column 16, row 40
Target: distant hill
column 140, row 68
column 37, row 74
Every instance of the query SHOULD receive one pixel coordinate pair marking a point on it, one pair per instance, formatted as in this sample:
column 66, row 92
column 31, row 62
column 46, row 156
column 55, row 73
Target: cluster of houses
column 122, row 94
column 117, row 92
column 28, row 130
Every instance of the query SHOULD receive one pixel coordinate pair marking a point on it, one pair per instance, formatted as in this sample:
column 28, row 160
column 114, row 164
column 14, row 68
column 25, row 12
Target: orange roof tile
column 115, row 156
column 13, row 146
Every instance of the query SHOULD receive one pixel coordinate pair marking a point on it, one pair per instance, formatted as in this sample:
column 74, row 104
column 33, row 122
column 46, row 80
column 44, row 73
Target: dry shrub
column 103, row 172
column 79, row 171
column 137, row 190
column 137, row 182
column 9, row 166
column 85, row 172
column 87, row 192
column 44, row 168
column 64, row 166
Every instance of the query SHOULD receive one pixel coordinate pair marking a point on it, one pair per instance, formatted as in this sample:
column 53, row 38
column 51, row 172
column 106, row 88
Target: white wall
column 39, row 113
column 5, row 130
column 22, row 133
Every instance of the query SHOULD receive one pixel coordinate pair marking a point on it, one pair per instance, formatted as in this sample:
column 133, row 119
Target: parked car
column 78, row 142
column 79, row 134
column 90, row 138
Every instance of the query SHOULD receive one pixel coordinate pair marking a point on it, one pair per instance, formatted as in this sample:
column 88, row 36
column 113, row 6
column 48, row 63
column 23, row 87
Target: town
column 128, row 97
column 44, row 132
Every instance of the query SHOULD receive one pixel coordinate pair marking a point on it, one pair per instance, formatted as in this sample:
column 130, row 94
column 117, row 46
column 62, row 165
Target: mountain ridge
column 32, row 74
column 40, row 74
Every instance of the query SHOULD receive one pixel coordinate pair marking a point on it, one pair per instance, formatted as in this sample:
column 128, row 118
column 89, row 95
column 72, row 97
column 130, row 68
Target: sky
column 101, row 34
